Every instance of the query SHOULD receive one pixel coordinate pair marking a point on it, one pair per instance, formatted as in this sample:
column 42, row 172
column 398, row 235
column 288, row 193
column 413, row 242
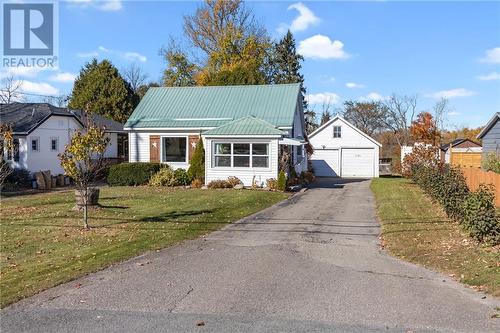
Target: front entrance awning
column 291, row 142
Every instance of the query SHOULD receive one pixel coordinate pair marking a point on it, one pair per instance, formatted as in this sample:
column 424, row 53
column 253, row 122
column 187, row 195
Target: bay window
column 241, row 155
column 174, row 149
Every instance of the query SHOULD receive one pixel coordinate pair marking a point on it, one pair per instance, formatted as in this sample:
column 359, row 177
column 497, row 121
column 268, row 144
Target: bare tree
column 326, row 114
column 10, row 89
column 399, row 114
column 367, row 116
column 6, row 148
column 60, row 101
column 135, row 76
column 439, row 111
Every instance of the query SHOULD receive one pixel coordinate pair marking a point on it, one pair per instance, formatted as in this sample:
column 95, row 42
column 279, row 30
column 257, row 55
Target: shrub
column 197, row 183
column 233, row 181
column 421, row 155
column 164, row 177
column 219, row 183
column 182, row 177
column 307, row 177
column 480, row 218
column 272, row 184
column 19, row 178
column 197, row 163
column 281, row 181
column 129, row 174
column 492, row 162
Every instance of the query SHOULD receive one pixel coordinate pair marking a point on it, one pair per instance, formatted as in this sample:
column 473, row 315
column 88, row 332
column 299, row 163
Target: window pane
column 259, row 149
column 174, row 149
column 34, row 144
column 223, row 148
column 260, row 161
column 241, row 161
column 241, row 149
column 15, row 144
column 53, row 144
column 222, row 161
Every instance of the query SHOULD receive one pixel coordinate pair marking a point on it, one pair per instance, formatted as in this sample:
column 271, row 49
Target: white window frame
column 37, row 139
column 174, row 136
column 232, row 155
column 339, row 132
column 57, row 143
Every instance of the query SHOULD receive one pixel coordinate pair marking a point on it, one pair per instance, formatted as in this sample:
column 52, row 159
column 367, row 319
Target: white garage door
column 325, row 162
column 358, row 162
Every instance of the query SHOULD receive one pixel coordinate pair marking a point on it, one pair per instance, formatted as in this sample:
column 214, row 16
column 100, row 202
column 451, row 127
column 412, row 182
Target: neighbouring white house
column 244, row 129
column 41, row 131
column 342, row 150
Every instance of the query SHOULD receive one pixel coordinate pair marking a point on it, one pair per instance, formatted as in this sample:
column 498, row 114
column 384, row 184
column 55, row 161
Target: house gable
column 350, row 135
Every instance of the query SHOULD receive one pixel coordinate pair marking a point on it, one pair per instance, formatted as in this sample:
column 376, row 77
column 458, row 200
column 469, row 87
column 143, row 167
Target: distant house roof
column 26, row 117
column 209, row 107
column 248, row 125
column 489, row 125
column 457, row 142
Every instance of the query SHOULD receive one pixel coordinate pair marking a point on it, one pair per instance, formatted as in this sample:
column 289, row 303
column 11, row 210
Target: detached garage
column 342, row 150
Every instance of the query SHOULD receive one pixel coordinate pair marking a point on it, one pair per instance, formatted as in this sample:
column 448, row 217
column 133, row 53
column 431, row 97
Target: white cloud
column 21, row 71
column 373, row 97
column 489, row 77
column 41, row 88
column 452, row 93
column 492, row 56
column 353, row 85
column 104, row 5
column 127, row 55
column 305, row 19
column 91, row 54
column 322, row 47
column 453, row 113
column 320, row 98
column 63, row 77
column 135, row 56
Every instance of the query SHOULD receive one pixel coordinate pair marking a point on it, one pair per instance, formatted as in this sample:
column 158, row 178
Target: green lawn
column 417, row 230
column 43, row 244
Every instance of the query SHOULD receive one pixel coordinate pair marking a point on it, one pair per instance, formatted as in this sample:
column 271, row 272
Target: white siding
column 58, row 127
column 246, row 175
column 350, row 138
column 139, row 144
column 112, row 149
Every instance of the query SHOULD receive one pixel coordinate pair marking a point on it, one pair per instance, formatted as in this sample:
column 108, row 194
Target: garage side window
column 337, row 131
column 174, row 149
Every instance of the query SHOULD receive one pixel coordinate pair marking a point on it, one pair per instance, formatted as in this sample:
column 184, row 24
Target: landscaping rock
column 204, row 187
column 238, row 187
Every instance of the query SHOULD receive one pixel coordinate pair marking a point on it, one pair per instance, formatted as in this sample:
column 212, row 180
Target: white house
column 244, row 129
column 342, row 150
column 41, row 131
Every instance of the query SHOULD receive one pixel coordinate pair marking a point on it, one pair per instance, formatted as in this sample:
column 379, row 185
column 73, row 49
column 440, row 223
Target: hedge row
column 131, row 174
column 475, row 211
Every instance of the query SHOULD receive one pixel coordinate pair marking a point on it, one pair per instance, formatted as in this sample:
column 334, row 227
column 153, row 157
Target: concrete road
column 311, row 264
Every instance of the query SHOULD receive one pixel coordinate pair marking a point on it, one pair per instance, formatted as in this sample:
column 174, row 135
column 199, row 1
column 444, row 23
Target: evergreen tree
column 101, row 89
column 287, row 64
column 197, row 164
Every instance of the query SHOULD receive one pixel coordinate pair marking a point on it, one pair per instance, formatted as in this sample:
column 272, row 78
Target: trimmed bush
column 182, row 177
column 131, row 174
column 233, row 181
column 480, row 218
column 164, row 177
column 475, row 211
column 272, row 184
column 197, row 163
column 219, row 183
column 281, row 181
column 19, row 178
column 197, row 183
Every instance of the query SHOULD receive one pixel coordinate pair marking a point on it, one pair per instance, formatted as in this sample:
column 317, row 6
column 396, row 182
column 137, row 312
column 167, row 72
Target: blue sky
column 353, row 50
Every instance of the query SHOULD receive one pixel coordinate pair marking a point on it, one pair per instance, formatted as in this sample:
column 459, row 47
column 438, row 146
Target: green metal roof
column 215, row 105
column 248, row 125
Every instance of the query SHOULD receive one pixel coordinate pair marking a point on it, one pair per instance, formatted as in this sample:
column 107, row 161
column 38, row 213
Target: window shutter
column 154, row 148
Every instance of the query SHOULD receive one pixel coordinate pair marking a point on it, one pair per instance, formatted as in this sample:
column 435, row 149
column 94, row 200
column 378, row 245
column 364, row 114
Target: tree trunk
column 85, row 211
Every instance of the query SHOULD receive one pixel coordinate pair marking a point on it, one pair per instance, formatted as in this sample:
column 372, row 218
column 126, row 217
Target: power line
column 31, row 94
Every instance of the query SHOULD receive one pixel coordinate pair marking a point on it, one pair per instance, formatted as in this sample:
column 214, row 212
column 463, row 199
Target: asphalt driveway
column 310, row 264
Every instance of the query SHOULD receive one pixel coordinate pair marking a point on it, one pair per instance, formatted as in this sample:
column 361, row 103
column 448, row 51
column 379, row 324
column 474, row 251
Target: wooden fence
column 476, row 176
